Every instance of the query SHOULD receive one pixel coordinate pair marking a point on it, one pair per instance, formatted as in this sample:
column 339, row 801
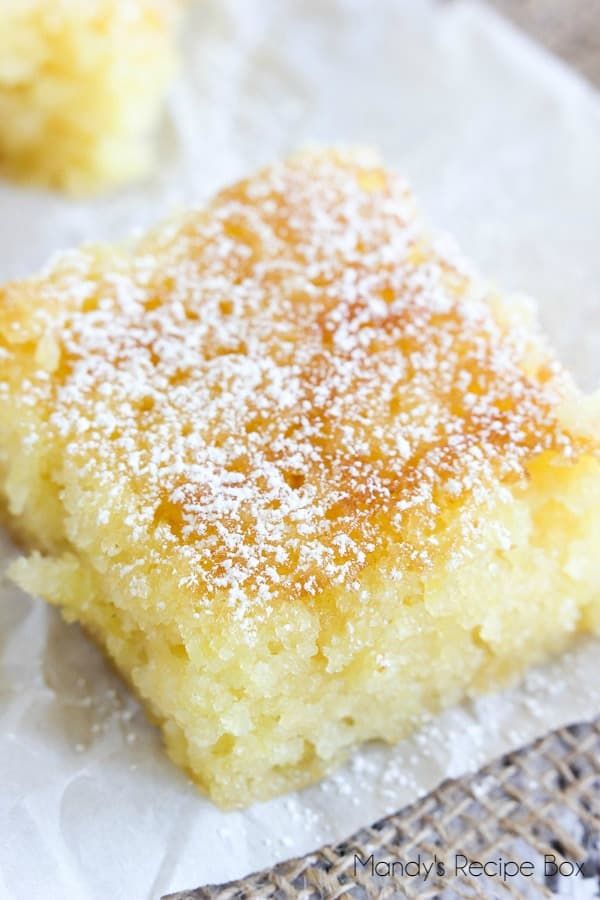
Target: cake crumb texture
column 300, row 471
column 81, row 89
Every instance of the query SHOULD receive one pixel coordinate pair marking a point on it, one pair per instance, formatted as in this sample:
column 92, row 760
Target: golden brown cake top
column 275, row 388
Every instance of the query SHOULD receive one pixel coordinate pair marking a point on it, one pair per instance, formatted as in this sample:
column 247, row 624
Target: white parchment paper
column 502, row 145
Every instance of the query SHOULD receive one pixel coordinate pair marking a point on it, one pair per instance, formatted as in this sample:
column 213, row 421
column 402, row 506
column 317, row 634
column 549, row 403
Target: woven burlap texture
column 540, row 801
column 570, row 28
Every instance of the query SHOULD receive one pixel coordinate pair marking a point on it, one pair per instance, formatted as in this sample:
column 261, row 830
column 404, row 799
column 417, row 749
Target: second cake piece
column 82, row 84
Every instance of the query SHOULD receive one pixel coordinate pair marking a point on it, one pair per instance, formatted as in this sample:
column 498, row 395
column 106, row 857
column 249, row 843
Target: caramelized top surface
column 276, row 387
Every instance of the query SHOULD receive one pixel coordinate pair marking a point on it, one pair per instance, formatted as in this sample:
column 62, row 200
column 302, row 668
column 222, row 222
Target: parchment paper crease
column 502, row 145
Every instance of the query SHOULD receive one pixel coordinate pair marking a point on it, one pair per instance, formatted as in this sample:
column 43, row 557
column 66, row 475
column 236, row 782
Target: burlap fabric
column 537, row 808
column 570, row 28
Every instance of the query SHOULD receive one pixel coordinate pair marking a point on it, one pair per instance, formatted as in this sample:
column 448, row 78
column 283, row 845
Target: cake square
column 301, row 472
column 81, row 88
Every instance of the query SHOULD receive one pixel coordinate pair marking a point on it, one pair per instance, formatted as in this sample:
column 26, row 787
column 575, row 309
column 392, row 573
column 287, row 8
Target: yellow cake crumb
column 81, row 88
column 301, row 472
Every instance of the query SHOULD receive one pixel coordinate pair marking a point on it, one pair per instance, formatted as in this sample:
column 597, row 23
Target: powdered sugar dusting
column 279, row 387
